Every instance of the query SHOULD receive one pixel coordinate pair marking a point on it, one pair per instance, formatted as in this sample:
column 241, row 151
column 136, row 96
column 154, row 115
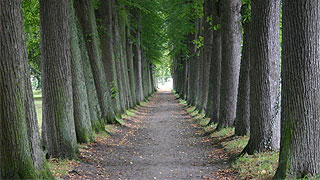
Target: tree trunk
column 300, row 128
column 80, row 100
column 199, row 62
column 132, row 81
column 191, row 51
column 207, row 52
column 124, row 61
column 264, row 76
column 242, row 122
column 213, row 104
column 86, row 16
column 20, row 153
column 58, row 132
column 137, row 56
column 108, row 59
column 97, row 121
column 230, row 64
column 118, row 58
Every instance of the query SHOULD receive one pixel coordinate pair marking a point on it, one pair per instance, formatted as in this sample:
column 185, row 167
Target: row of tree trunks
column 86, row 16
column 105, row 10
column 78, row 77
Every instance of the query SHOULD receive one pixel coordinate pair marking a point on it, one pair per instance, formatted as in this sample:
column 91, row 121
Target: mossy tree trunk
column 124, row 61
column 105, row 10
column 132, row 81
column 58, row 129
column 80, row 99
column 137, row 55
column 97, row 121
column 20, row 153
column 118, row 57
column 300, row 127
column 85, row 13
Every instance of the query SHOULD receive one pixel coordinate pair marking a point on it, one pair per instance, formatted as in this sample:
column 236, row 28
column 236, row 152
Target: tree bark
column 85, row 13
column 300, row 128
column 20, row 153
column 97, row 121
column 199, row 70
column 58, row 132
column 264, row 76
column 230, row 65
column 132, row 81
column 207, row 52
column 242, row 122
column 118, row 58
column 108, row 58
column 137, row 56
column 124, row 61
column 80, row 100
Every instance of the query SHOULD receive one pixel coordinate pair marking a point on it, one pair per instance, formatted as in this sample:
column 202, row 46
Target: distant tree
column 300, row 127
column 31, row 15
column 20, row 153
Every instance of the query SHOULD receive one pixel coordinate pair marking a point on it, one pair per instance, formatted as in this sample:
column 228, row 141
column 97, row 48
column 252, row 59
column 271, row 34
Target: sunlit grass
column 257, row 166
column 182, row 102
column 37, row 95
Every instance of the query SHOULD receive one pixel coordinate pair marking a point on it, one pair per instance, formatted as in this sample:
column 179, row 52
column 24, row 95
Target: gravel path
column 160, row 142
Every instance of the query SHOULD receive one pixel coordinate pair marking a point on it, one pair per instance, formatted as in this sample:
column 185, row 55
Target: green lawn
column 37, row 95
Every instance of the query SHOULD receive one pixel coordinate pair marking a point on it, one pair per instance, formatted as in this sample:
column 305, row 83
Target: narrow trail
column 160, row 142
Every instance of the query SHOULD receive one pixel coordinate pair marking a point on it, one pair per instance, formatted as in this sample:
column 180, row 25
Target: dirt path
column 160, row 142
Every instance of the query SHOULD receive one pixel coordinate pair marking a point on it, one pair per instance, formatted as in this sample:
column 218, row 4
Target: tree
column 85, row 13
column 242, row 122
column 207, row 51
column 137, row 61
column 300, row 128
column 108, row 59
column 80, row 100
column 132, row 81
column 32, row 34
column 264, row 76
column 58, row 129
column 20, row 153
column 97, row 120
column 230, row 64
column 213, row 105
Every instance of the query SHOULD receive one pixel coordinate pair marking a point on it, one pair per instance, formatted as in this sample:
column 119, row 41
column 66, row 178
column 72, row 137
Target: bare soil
column 160, row 142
